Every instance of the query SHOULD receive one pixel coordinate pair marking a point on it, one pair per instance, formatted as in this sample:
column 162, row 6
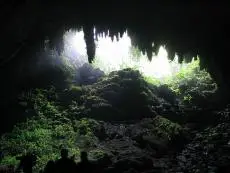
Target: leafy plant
column 166, row 128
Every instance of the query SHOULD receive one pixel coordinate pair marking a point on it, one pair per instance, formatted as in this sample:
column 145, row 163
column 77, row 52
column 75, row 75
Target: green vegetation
column 45, row 137
column 152, row 80
column 163, row 128
column 47, row 132
column 136, row 53
column 188, row 82
column 62, row 118
column 68, row 68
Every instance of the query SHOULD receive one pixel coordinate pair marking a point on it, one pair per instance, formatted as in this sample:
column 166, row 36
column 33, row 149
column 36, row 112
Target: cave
column 170, row 127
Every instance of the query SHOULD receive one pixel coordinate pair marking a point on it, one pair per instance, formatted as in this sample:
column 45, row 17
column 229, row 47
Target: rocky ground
column 127, row 125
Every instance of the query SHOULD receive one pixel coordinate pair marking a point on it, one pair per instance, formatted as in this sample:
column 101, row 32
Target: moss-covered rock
column 72, row 94
column 122, row 121
column 121, row 95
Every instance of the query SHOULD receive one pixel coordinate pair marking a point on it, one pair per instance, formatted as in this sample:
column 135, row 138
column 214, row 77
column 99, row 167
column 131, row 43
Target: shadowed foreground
column 125, row 124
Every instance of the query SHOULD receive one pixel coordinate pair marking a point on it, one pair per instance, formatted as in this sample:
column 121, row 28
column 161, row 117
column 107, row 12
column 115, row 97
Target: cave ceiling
column 185, row 28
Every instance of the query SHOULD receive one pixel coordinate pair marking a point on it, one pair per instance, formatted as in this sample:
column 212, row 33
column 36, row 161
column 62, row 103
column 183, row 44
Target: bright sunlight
column 119, row 54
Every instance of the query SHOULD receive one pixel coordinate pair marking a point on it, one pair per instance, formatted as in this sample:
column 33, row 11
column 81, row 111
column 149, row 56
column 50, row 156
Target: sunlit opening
column 119, row 54
column 112, row 55
column 75, row 47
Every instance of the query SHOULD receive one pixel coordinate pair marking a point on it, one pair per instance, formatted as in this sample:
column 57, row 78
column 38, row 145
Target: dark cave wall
column 185, row 28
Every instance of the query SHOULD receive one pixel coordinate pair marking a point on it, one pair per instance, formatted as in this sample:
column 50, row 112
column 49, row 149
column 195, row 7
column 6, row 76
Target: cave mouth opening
column 117, row 53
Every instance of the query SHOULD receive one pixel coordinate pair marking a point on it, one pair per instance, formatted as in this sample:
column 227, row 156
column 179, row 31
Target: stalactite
column 89, row 40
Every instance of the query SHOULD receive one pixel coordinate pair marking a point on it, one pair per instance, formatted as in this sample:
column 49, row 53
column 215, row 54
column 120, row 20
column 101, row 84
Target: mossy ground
column 69, row 118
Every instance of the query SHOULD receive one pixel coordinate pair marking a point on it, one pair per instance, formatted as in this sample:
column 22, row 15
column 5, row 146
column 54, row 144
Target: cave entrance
column 117, row 53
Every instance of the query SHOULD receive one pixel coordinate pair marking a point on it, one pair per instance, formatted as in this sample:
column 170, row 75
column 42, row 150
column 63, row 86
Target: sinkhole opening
column 113, row 54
